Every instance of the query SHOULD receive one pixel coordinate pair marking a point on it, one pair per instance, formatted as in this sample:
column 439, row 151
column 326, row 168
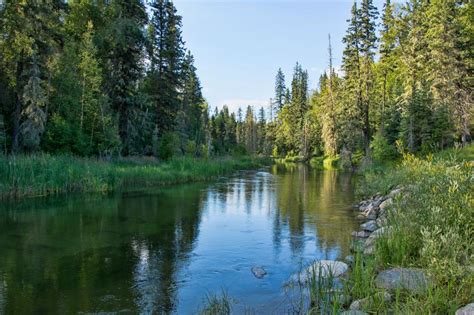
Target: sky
column 238, row 45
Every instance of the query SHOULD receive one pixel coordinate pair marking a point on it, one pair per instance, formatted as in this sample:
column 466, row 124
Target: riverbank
column 414, row 252
column 44, row 174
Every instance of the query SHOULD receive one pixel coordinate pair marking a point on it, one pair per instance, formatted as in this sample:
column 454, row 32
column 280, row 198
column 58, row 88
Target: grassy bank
column 433, row 229
column 43, row 174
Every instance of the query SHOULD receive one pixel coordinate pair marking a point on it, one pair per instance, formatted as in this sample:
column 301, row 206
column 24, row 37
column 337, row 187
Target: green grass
column 44, row 174
column 433, row 229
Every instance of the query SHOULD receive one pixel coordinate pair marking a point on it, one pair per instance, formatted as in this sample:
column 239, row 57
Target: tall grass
column 44, row 174
column 432, row 228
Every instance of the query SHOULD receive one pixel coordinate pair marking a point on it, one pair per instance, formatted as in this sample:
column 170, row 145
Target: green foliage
column 381, row 149
column 432, row 229
column 44, row 174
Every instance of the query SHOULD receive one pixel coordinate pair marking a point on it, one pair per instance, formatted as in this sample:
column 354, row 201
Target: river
column 163, row 250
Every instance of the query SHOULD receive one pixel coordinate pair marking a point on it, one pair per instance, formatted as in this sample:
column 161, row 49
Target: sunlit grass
column 44, row 174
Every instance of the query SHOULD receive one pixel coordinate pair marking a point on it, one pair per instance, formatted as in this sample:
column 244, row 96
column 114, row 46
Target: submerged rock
column 323, row 269
column 411, row 279
column 369, row 226
column 466, row 310
column 258, row 272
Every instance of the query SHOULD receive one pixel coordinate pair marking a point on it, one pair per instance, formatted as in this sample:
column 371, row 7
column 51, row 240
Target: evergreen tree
column 122, row 43
column 34, row 101
column 351, row 64
column 166, row 52
column 280, row 90
column 368, row 15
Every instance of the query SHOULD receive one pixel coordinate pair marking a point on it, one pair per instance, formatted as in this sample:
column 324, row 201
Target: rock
column 371, row 214
column 352, row 312
column 382, row 220
column 387, row 203
column 369, row 226
column 369, row 301
column 361, row 234
column 369, row 245
column 466, row 310
column 361, row 216
column 411, row 279
column 349, row 259
column 258, row 272
column 394, row 193
column 321, row 268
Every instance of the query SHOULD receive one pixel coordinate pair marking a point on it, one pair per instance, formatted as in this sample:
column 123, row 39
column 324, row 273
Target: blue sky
column 239, row 45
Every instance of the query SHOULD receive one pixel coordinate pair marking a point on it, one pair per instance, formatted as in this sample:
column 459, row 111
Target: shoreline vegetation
column 414, row 251
column 44, row 174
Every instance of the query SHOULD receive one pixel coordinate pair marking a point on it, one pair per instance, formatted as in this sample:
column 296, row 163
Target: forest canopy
column 105, row 78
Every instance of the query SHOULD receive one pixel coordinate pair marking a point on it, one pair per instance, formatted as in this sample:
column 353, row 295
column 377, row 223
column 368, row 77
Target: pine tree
column 387, row 56
column 328, row 110
column 353, row 104
column 166, row 52
column 280, row 90
column 34, row 101
column 446, row 71
column 250, row 131
column 191, row 111
column 122, row 43
column 368, row 15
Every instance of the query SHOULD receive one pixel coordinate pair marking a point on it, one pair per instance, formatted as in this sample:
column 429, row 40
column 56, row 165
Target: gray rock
column 466, row 310
column 361, row 234
column 258, row 272
column 353, row 312
column 369, row 226
column 371, row 213
column 349, row 260
column 387, row 203
column 321, row 268
column 382, row 220
column 411, row 279
column 368, row 301
column 394, row 193
column 369, row 245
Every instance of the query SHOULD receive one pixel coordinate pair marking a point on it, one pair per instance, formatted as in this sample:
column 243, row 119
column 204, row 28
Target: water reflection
column 160, row 251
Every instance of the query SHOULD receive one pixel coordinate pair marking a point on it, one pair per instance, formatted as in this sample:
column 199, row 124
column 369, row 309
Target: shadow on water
column 162, row 250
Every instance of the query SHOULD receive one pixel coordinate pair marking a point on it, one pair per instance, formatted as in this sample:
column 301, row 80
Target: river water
column 164, row 250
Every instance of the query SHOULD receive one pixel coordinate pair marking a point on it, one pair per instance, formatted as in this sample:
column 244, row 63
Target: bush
column 381, row 149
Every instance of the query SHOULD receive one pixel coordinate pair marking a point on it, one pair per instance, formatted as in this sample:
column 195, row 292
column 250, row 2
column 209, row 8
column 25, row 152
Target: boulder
column 371, row 213
column 394, row 193
column 382, row 220
column 369, row 301
column 412, row 279
column 369, row 226
column 361, row 234
column 466, row 310
column 321, row 268
column 377, row 234
column 386, row 203
column 258, row 272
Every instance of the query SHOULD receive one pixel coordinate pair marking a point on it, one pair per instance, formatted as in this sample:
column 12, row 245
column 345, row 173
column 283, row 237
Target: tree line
column 97, row 78
column 113, row 77
column 406, row 84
